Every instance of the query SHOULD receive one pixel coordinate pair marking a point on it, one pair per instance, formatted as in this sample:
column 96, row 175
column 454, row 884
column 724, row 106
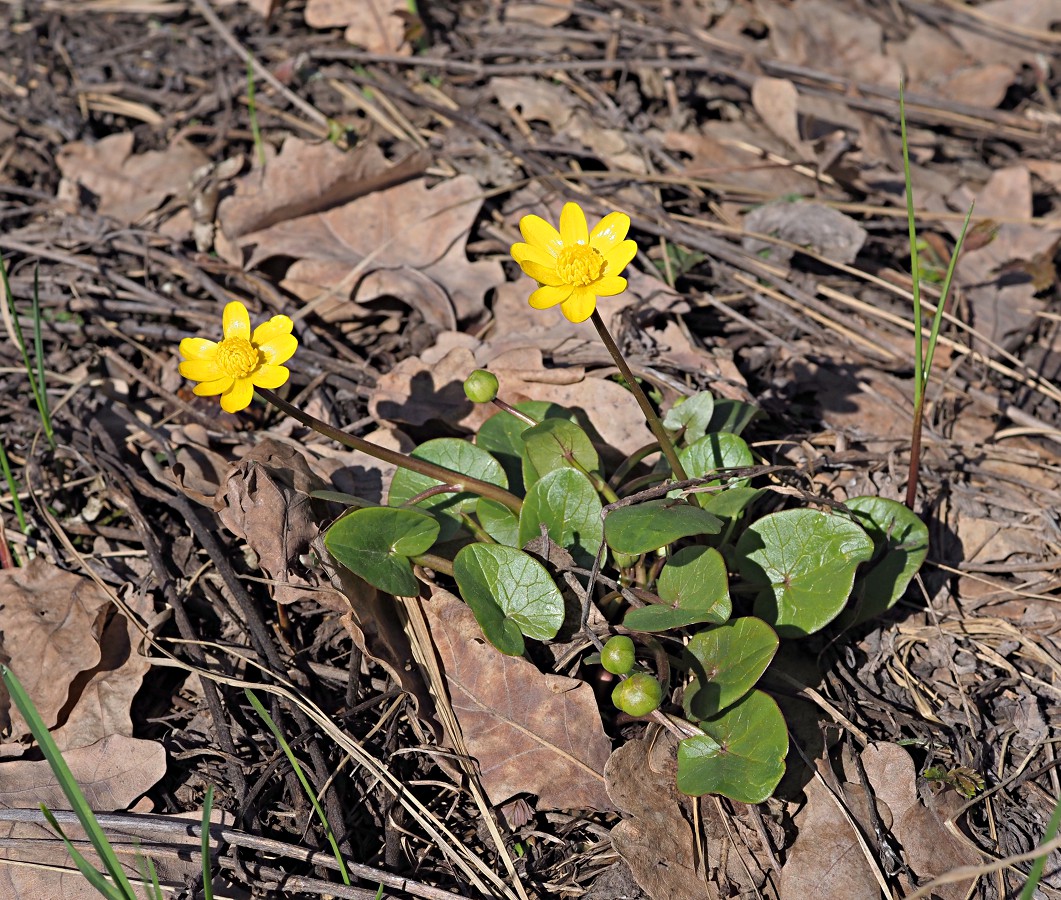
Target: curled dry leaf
column 265, row 501
column 814, row 225
column 531, row 733
column 127, row 186
column 656, row 840
column 380, row 26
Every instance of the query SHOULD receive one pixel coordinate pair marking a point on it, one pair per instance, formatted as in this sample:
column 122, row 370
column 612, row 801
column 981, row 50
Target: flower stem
column 651, row 418
column 455, row 480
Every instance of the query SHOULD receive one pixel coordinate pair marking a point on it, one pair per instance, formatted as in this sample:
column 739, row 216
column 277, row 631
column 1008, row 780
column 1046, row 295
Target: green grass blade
column 13, row 487
column 937, row 319
column 915, row 262
column 38, row 350
column 92, row 876
column 252, row 112
column 208, row 880
column 1035, row 874
column 37, row 387
column 256, row 703
column 66, row 781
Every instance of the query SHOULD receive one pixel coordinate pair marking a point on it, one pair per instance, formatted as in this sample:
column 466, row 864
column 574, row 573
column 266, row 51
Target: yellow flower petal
column 201, row 369
column 211, row 388
column 573, row 228
column 198, row 348
column 270, row 377
column 238, row 396
column 541, row 274
column 523, row 252
column 550, row 295
column 609, row 285
column 236, row 321
column 609, row 231
column 580, row 305
column 279, row 349
column 539, row 233
column 269, row 329
column 618, row 258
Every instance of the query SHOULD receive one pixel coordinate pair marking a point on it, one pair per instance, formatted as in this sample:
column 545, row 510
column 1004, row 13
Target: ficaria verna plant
column 681, row 548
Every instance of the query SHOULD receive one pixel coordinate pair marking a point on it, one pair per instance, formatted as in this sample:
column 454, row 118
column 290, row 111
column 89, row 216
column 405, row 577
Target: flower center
column 238, row 357
column 580, row 265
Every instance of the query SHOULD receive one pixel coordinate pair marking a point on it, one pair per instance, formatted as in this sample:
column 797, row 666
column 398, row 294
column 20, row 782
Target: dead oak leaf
column 380, row 26
column 530, row 732
column 128, row 186
column 409, row 239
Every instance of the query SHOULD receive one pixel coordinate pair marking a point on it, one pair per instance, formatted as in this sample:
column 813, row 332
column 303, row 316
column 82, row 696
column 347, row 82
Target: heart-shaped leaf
column 732, row 416
column 693, row 414
column 900, row 545
column 742, row 754
column 729, row 660
column 510, row 593
column 716, row 451
column 502, row 436
column 694, row 585
column 648, row 526
column 557, row 444
column 453, row 453
column 802, row 561
column 498, row 521
column 566, row 502
column 376, row 543
column 731, row 502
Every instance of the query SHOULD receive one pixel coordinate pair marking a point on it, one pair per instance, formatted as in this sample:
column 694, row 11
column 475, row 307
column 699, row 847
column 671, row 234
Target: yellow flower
column 241, row 362
column 574, row 266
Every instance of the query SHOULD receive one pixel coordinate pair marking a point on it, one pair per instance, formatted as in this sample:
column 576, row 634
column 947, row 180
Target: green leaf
column 376, row 543
column 557, row 444
column 729, row 660
column 566, row 502
column 502, row 436
column 695, row 586
column 742, row 754
column 731, row 502
column 510, row 593
column 900, row 545
column 498, row 521
column 648, row 526
column 716, row 451
column 693, row 414
column 732, row 416
column 456, row 454
column 802, row 562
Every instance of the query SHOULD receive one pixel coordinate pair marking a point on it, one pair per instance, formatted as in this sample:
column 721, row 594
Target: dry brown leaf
column 50, row 635
column 306, row 178
column 377, row 25
column 413, row 236
column 821, row 228
column 938, row 65
column 776, row 100
column 656, row 840
column 989, row 35
column 929, row 847
column 542, row 14
column 415, row 392
column 265, row 501
column 127, row 185
column 530, row 732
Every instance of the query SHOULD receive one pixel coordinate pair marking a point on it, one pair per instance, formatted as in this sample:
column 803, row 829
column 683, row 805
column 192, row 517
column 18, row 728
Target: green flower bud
column 618, row 655
column 481, row 386
column 638, row 695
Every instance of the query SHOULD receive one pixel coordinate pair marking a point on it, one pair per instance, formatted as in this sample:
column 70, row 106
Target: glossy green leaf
column 648, row 526
column 732, row 416
column 557, row 444
column 510, row 593
column 803, row 562
column 502, row 436
column 713, row 452
column 731, row 502
column 498, row 521
column 376, row 543
column 742, row 754
column 456, row 454
column 694, row 585
column 728, row 661
column 900, row 545
column 565, row 501
column 693, row 414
